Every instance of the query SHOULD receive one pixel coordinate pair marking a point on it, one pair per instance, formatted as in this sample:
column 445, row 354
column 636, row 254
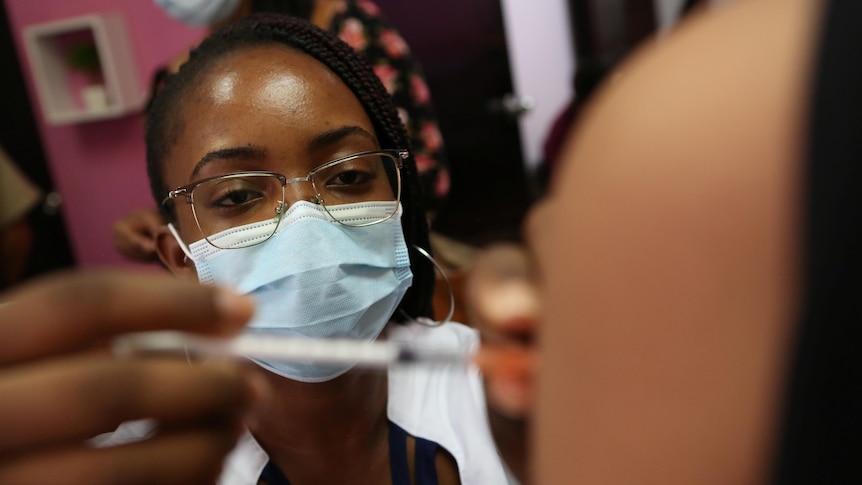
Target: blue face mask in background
column 314, row 278
column 199, row 13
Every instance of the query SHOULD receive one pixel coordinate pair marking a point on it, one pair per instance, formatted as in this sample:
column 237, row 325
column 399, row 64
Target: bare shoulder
column 669, row 254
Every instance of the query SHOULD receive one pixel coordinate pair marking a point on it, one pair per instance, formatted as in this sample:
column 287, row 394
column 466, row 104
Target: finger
column 143, row 243
column 143, row 252
column 506, row 361
column 507, row 310
column 500, row 262
column 153, row 222
column 500, row 291
column 72, row 399
column 134, row 234
column 145, row 221
column 189, row 456
column 137, row 250
column 508, row 372
column 64, row 313
column 510, row 398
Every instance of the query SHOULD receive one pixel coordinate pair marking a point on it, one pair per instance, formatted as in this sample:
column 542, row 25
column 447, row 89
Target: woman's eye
column 236, row 197
column 349, row 177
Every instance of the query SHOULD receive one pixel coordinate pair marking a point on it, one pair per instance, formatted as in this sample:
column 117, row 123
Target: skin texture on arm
column 60, row 387
column 668, row 257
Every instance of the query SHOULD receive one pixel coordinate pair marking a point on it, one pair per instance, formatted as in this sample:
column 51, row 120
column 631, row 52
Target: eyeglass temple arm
column 182, row 244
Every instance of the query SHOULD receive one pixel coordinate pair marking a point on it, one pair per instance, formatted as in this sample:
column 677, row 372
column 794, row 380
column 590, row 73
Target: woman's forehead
column 272, row 87
column 271, row 97
column 271, row 73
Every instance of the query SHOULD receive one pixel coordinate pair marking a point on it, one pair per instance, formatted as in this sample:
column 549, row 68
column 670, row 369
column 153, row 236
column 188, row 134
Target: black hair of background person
column 19, row 136
column 297, row 8
column 822, row 428
column 353, row 70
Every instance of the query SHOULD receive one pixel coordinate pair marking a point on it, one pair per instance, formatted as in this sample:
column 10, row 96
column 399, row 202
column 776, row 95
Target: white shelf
column 62, row 92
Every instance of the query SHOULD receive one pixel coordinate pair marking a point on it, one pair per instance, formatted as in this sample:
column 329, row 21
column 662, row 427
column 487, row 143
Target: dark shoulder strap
column 426, row 471
column 822, row 429
column 424, row 458
column 272, row 475
column 426, row 465
column 398, row 467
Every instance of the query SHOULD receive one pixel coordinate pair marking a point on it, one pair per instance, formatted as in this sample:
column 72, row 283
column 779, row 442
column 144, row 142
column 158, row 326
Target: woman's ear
column 173, row 256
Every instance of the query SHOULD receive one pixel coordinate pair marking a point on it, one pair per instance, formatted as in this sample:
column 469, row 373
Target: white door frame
column 542, row 60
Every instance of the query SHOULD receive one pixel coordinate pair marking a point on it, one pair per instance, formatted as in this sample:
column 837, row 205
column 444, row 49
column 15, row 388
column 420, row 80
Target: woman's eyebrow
column 330, row 137
column 234, row 153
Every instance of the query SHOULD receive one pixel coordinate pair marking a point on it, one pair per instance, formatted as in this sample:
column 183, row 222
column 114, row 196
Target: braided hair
column 164, row 121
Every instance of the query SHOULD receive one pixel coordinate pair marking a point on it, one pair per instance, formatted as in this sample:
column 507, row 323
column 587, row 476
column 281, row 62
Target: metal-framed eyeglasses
column 237, row 199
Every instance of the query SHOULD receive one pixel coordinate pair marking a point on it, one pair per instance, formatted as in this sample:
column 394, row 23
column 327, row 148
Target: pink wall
column 99, row 167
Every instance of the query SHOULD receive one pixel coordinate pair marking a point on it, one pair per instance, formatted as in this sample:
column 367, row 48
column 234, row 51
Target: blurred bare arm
column 669, row 258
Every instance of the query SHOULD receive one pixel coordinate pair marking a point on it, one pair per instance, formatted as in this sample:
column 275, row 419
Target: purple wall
column 99, row 167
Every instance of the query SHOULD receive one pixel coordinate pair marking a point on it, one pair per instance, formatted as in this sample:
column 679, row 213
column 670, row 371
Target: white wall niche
column 68, row 96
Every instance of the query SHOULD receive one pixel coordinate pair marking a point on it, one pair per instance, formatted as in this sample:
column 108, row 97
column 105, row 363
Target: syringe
column 376, row 354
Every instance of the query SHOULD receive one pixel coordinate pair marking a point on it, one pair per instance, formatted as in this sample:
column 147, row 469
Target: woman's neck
column 307, row 428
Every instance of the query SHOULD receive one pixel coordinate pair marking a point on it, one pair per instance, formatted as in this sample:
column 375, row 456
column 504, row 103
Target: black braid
column 164, row 120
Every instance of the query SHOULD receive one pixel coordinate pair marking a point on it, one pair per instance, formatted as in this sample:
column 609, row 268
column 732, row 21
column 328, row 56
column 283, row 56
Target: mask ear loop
column 186, row 259
column 188, row 254
column 427, row 321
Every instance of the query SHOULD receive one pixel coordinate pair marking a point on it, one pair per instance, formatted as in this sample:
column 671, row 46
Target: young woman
column 363, row 26
column 282, row 166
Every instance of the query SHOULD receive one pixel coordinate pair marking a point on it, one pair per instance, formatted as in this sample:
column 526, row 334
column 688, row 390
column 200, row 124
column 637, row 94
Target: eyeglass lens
column 247, row 198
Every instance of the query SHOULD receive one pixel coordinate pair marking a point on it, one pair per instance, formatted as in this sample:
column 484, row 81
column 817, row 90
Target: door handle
column 512, row 105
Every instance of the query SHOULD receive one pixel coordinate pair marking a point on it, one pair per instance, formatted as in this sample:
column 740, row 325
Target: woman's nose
column 297, row 191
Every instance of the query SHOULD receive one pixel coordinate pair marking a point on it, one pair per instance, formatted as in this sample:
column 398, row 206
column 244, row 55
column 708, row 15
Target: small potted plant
column 83, row 57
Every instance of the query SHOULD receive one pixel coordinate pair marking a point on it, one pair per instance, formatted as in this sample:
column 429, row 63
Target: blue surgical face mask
column 199, row 13
column 314, row 278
